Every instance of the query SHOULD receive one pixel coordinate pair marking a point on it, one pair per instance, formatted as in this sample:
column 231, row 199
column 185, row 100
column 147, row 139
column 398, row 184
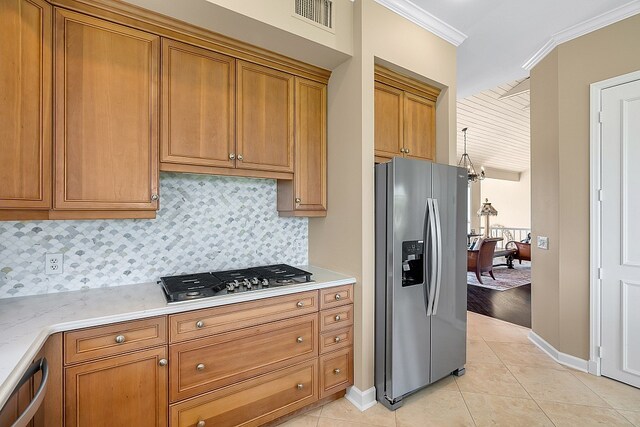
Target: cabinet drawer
column 253, row 402
column 210, row 363
column 202, row 323
column 336, row 318
column 334, row 297
column 335, row 340
column 336, row 371
column 102, row 341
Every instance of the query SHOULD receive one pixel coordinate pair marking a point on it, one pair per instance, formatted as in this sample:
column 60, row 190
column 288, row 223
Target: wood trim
column 382, row 159
column 174, row 167
column 23, row 215
column 52, row 409
column 392, row 78
column 100, row 214
column 100, row 341
column 299, row 214
column 137, row 17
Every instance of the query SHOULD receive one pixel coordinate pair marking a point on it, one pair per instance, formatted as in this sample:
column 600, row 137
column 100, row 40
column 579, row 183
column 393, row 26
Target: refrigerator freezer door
column 449, row 323
column 409, row 188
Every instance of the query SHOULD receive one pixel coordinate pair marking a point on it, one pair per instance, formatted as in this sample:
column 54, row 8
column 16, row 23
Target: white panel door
column 621, row 232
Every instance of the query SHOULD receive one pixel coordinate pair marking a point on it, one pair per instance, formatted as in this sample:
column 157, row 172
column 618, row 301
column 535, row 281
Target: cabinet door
column 198, row 113
column 106, row 108
column 129, row 390
column 311, row 146
column 419, row 127
column 388, row 121
column 25, row 104
column 264, row 118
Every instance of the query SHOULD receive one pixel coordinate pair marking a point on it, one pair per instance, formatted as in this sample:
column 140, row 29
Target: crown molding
column 585, row 27
column 424, row 19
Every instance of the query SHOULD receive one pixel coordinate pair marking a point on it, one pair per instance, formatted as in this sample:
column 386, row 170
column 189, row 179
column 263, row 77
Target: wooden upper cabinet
column 388, row 121
column 198, row 106
column 128, row 390
column 264, row 118
column 419, row 127
column 106, row 110
column 25, row 104
column 306, row 195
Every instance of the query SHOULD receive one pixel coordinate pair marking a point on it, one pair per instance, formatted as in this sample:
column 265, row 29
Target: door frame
column 595, row 210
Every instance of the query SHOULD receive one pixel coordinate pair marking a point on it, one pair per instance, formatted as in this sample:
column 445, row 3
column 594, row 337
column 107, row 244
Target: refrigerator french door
column 420, row 289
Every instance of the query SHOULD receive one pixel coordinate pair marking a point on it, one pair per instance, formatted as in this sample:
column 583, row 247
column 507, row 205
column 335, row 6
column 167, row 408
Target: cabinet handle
column 299, row 340
column 298, row 199
column 232, row 156
column 200, row 366
column 338, row 297
column 154, row 197
column 300, row 304
column 336, row 371
column 336, row 339
column 120, row 339
column 300, row 386
column 201, row 423
column 162, row 362
column 337, row 317
column 199, row 324
column 240, row 157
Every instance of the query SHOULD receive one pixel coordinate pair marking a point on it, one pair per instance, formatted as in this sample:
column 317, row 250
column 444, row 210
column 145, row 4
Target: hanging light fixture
column 465, row 162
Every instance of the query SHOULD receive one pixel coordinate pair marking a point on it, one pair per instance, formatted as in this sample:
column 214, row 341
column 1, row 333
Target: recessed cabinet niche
column 405, row 117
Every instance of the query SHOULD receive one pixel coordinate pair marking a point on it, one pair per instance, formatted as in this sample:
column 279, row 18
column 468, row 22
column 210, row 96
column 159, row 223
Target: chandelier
column 465, row 162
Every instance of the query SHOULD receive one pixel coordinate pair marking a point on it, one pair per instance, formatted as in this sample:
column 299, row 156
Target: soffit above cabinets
column 499, row 128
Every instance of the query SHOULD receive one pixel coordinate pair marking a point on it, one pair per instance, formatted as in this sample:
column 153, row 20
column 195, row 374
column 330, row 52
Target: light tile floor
column 509, row 382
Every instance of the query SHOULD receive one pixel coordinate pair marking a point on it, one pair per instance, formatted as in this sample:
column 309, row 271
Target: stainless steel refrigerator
column 421, row 280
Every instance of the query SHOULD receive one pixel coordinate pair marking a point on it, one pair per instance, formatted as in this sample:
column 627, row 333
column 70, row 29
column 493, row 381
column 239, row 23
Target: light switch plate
column 543, row 242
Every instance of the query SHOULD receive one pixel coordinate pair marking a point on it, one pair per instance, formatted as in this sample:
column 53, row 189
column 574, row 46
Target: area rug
column 505, row 278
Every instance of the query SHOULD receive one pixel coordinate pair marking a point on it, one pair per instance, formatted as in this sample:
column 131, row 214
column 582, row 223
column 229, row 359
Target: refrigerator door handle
column 438, row 238
column 434, row 257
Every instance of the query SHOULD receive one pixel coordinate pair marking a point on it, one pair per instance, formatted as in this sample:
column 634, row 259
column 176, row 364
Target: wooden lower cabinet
column 253, row 402
column 127, row 390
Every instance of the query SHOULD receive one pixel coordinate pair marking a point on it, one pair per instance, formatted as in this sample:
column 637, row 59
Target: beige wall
column 560, row 176
column 512, row 199
column 344, row 240
column 268, row 24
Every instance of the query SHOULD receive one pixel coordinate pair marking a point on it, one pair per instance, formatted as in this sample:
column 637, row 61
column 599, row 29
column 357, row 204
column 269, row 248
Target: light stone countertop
column 27, row 322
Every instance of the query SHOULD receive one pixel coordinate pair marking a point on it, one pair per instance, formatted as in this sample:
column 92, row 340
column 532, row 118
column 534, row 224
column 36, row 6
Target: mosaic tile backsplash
column 204, row 223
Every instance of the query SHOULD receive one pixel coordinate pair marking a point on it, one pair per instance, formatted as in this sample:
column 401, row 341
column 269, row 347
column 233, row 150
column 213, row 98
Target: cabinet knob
column 232, row 156
column 200, row 366
column 337, row 318
column 154, row 197
column 300, row 386
column 299, row 340
column 300, row 304
column 298, row 199
column 120, row 339
column 239, row 156
column 336, row 339
column 338, row 297
column 162, row 362
column 201, row 423
column 402, row 150
column 406, row 150
column 336, row 371
column 199, row 324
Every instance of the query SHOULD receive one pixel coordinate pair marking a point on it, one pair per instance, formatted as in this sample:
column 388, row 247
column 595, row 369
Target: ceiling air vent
column 318, row 11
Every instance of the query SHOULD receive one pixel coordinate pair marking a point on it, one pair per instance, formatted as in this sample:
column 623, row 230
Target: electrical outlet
column 543, row 242
column 53, row 263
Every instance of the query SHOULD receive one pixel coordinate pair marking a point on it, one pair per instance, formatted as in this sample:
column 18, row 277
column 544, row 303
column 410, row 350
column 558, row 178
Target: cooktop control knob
column 246, row 283
column 265, row 283
column 254, row 281
column 236, row 284
column 230, row 287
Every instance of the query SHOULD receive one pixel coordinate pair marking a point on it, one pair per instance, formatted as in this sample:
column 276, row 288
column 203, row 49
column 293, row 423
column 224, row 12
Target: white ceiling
column 498, row 136
column 502, row 35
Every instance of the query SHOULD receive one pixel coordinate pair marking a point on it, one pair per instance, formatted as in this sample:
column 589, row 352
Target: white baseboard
column 561, row 358
column 362, row 400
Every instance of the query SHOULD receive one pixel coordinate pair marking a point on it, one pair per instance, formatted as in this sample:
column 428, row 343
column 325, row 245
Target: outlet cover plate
column 543, row 242
column 53, row 263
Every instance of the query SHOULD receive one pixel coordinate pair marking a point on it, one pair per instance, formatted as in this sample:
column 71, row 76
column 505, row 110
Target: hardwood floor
column 513, row 305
